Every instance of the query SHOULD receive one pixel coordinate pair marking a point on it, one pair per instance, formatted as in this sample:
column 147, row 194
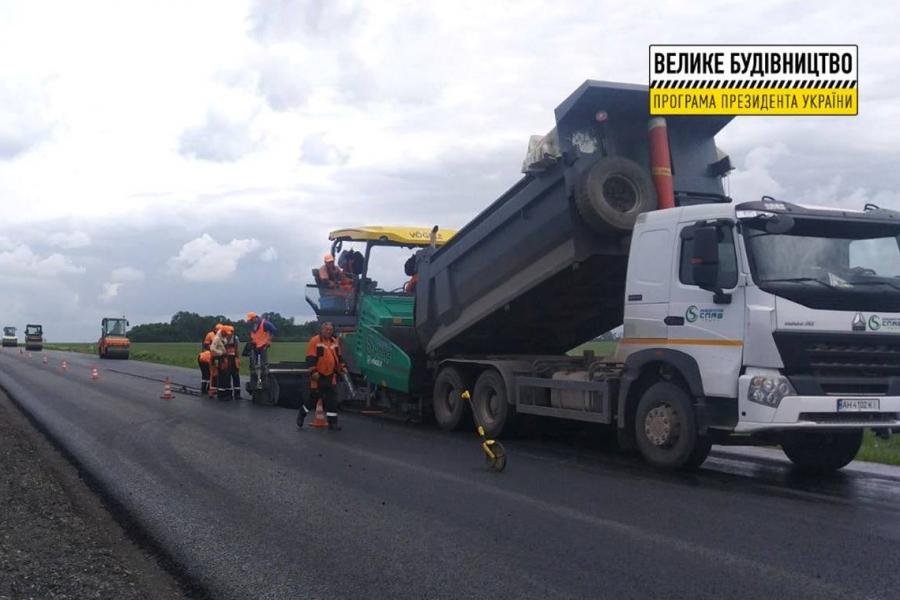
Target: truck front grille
column 838, row 364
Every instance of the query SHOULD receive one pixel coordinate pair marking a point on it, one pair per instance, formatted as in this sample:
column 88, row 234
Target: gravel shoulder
column 57, row 539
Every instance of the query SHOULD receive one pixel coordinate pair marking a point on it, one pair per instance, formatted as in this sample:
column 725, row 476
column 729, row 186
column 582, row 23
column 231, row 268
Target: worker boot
column 301, row 415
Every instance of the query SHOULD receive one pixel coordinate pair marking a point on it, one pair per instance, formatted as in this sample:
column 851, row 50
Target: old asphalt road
column 250, row 507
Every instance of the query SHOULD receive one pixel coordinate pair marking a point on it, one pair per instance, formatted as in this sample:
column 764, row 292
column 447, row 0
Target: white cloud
column 219, row 139
column 21, row 260
column 69, row 240
column 317, row 151
column 24, row 122
column 269, row 254
column 126, row 274
column 204, row 259
column 110, row 291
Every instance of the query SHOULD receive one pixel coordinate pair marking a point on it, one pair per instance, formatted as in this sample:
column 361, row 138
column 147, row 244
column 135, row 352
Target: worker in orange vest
column 204, row 359
column 232, row 363
column 261, row 333
column 219, row 385
column 325, row 362
column 215, row 360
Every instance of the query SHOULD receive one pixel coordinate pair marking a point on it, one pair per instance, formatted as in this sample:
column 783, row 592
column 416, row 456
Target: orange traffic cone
column 94, row 374
column 319, row 421
column 167, row 391
column 65, row 366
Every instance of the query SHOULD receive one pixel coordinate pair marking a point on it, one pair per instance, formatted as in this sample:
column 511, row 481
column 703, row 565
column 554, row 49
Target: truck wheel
column 821, row 451
column 447, row 402
column 489, row 403
column 613, row 193
column 665, row 428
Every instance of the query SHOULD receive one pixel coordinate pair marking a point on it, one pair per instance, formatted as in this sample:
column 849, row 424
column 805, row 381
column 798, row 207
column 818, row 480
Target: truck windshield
column 33, row 330
column 9, row 331
column 840, row 268
column 115, row 327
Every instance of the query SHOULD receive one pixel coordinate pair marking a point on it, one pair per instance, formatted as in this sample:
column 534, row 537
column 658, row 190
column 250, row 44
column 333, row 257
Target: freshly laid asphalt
column 249, row 507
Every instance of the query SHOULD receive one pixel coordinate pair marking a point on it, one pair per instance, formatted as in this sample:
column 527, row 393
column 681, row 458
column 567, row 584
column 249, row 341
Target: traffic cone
column 167, row 391
column 319, row 421
column 44, row 360
column 94, row 374
column 65, row 366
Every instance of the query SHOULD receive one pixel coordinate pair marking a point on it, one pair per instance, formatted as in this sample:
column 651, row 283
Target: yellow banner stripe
column 763, row 101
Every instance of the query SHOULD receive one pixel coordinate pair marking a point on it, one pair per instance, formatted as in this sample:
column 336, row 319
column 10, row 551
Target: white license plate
column 857, row 404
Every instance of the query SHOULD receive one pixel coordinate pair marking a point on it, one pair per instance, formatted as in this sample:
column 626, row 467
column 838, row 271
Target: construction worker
column 261, row 333
column 204, row 359
column 330, row 275
column 233, row 362
column 220, row 377
column 209, row 336
column 324, row 360
column 410, row 267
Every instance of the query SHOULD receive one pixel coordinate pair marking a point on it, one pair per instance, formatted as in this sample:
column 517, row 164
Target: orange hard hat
column 218, row 327
column 228, row 329
column 251, row 315
column 329, row 258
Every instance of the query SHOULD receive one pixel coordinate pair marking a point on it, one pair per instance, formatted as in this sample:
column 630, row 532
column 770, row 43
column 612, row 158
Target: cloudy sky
column 192, row 155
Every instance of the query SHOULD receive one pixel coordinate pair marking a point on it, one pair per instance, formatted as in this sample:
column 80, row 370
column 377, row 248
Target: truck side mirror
column 705, row 259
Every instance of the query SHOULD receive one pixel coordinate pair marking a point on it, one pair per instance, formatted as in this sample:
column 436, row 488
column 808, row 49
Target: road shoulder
column 57, row 539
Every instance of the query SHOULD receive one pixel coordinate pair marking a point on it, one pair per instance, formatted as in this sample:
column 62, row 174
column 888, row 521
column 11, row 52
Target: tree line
column 192, row 327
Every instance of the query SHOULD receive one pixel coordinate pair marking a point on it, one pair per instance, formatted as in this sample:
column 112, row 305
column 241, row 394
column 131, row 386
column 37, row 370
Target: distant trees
column 192, row 327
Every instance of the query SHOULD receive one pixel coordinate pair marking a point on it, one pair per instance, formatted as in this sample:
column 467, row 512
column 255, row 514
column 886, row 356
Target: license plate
column 857, row 404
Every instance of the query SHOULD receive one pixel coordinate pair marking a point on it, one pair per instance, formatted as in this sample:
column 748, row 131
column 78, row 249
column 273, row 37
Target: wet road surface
column 249, row 506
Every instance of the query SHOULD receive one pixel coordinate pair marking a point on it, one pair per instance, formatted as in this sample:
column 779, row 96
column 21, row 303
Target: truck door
column 709, row 329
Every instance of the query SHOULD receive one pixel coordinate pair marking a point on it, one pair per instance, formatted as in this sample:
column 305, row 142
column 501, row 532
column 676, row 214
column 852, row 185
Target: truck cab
column 114, row 342
column 34, row 337
column 10, row 340
column 782, row 321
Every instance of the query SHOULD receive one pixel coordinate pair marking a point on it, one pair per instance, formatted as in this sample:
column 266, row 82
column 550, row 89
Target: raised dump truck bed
column 543, row 268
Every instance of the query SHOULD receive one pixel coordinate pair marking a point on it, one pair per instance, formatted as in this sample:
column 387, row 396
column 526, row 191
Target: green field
column 183, row 354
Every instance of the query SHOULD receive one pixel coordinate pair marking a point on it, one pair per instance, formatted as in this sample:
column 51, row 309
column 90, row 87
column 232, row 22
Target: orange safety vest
column 205, row 357
column 260, row 337
column 327, row 354
column 208, row 339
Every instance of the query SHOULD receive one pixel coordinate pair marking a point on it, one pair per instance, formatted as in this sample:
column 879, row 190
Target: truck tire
column 490, row 404
column 665, row 427
column 613, row 193
column 821, row 452
column 447, row 402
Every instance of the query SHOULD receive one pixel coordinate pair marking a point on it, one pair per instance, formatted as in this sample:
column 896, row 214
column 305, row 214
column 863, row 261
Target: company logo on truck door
column 859, row 323
column 877, row 323
column 693, row 313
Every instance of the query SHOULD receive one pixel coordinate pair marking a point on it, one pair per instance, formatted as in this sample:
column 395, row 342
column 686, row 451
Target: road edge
column 77, row 481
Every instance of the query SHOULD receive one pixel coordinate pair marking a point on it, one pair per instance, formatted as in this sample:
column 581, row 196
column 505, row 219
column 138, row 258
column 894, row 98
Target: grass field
column 184, row 354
